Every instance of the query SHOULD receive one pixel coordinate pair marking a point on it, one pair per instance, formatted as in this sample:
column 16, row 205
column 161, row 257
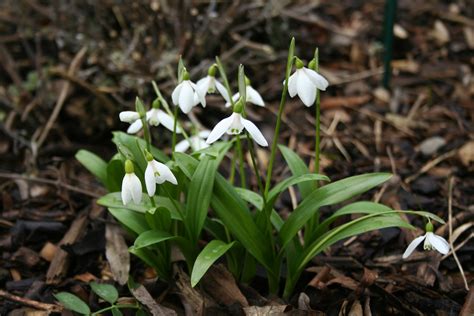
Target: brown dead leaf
column 145, row 298
column 466, row 153
column 116, row 252
column 274, row 310
column 221, row 285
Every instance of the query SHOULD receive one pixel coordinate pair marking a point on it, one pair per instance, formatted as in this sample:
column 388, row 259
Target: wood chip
column 116, row 252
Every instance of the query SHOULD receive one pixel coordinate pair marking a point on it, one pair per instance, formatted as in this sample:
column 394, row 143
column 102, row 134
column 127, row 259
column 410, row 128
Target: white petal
column 129, row 116
column 182, row 146
column 152, row 117
column 176, row 93
column 254, row 132
column 236, row 126
column 235, row 97
column 319, row 81
column 411, row 247
column 126, row 193
column 219, row 129
column 306, row 89
column 135, row 127
column 135, row 188
column 222, row 90
column 165, row 173
column 254, row 97
column 203, row 85
column 168, row 121
column 438, row 243
column 204, row 134
column 199, row 144
column 201, row 97
column 292, row 84
column 186, row 97
column 150, row 179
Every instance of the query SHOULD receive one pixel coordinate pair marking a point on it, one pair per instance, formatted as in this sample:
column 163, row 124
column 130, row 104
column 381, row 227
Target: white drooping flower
column 209, row 84
column 252, row 95
column 196, row 142
column 234, row 125
column 304, row 83
column 186, row 95
column 157, row 173
column 131, row 185
column 154, row 117
column 432, row 241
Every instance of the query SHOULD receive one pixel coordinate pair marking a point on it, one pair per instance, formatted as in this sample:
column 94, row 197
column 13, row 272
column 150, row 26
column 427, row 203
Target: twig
column 450, row 224
column 430, row 164
column 66, row 186
column 62, row 97
column 31, row 303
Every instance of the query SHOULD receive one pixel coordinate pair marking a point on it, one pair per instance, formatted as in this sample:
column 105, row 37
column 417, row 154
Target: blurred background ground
column 67, row 68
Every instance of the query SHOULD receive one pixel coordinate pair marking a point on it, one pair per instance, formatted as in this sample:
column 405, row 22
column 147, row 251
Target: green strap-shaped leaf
column 298, row 168
column 213, row 251
column 134, row 221
column 235, row 215
column 329, row 194
column 199, row 196
column 96, row 165
column 295, row 179
column 151, row 237
column 115, row 173
column 107, row 292
column 73, row 303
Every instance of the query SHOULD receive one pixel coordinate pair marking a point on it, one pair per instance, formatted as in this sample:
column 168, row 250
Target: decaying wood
column 31, row 303
column 116, row 252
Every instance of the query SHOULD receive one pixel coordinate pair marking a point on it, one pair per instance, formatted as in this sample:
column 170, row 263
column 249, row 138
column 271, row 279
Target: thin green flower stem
column 277, row 129
column 176, row 206
column 243, row 182
column 115, row 306
column 232, row 169
column 146, row 133
column 317, row 117
column 253, row 156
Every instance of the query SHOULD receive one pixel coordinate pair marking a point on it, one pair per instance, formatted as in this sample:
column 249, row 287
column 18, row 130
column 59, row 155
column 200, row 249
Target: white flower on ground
column 157, row 173
column 154, row 117
column 196, row 142
column 209, row 84
column 186, row 95
column 304, row 83
column 252, row 95
column 432, row 241
column 131, row 185
column 234, row 125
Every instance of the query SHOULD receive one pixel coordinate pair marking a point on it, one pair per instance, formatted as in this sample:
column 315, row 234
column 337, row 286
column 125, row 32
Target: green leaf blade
column 73, row 303
column 107, row 292
column 96, row 165
column 213, row 251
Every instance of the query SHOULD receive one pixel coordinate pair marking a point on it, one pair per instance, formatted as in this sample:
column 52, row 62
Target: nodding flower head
column 131, row 185
column 432, row 241
column 186, row 95
column 156, row 173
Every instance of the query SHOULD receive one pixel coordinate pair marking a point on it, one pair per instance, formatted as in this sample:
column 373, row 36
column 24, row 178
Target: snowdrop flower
column 156, row 173
column 186, row 95
column 432, row 241
column 196, row 142
column 154, row 117
column 209, row 84
column 234, row 125
column 304, row 82
column 252, row 95
column 131, row 185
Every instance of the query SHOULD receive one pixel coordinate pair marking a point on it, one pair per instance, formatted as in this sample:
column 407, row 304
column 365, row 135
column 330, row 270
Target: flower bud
column 247, row 81
column 299, row 63
column 239, row 106
column 156, row 103
column 186, row 75
column 212, row 70
column 128, row 166
column 148, row 156
column 429, row 227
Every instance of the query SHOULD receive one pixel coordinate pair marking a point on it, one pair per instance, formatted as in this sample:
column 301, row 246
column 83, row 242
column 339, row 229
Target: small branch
column 31, row 303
